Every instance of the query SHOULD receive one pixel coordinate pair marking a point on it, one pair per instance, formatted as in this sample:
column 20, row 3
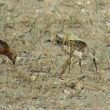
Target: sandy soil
column 34, row 83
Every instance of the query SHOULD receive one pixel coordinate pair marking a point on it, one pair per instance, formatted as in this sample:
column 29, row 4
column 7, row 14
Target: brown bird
column 5, row 50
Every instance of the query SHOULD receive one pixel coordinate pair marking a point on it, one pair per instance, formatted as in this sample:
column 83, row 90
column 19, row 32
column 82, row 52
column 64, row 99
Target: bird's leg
column 68, row 61
column 80, row 64
column 71, row 49
column 93, row 57
column 94, row 60
column 63, row 45
column 79, row 54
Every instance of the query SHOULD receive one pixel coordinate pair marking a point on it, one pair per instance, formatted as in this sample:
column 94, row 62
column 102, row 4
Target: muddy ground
column 34, row 83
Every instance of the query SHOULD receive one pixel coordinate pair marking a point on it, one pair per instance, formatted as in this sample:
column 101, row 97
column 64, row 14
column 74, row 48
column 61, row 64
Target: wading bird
column 77, row 46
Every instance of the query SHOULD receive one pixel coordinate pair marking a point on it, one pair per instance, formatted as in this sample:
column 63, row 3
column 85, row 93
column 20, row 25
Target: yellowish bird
column 77, row 45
